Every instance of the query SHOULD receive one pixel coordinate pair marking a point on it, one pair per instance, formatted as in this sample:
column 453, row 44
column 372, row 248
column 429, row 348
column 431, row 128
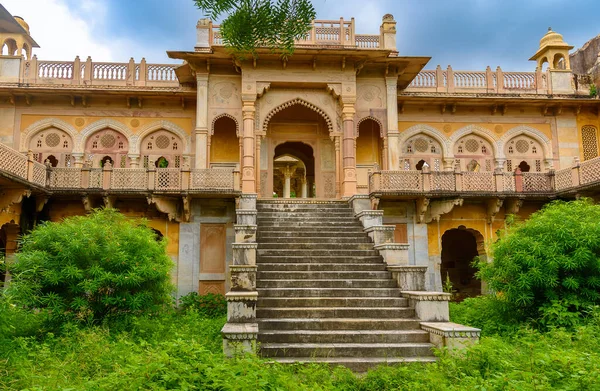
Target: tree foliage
column 548, row 267
column 88, row 268
column 251, row 24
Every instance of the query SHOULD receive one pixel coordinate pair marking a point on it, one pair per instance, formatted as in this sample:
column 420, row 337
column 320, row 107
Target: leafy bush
column 492, row 315
column 209, row 305
column 548, row 267
column 86, row 269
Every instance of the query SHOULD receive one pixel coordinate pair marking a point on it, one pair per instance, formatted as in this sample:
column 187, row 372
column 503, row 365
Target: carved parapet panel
column 244, row 253
column 393, row 253
column 246, row 216
column 243, row 278
column 409, row 277
column 381, row 234
column 450, row 335
column 369, row 218
column 429, row 306
column 245, row 233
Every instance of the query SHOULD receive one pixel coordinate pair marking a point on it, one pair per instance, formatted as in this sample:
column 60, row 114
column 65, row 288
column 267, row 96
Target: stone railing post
column 237, row 182
column 449, row 79
column 499, row 179
column 551, row 180
column 77, row 71
column 106, row 175
column 426, row 177
column 185, row 177
column 204, row 34
column 518, row 180
column 85, row 177
column 143, row 78
column 489, row 79
column 130, row 75
column 539, row 81
column 388, row 33
column 458, row 178
column 88, row 72
column 439, row 80
column 499, row 80
column 575, row 172
column 151, row 177
column 30, row 75
column 375, row 180
column 30, row 165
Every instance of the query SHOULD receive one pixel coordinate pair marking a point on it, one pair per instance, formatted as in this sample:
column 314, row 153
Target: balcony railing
column 443, row 182
column 89, row 73
column 488, row 81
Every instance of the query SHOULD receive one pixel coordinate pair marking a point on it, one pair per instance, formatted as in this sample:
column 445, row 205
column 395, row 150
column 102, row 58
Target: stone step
column 301, row 205
column 325, row 275
column 328, row 292
column 280, row 302
column 308, row 212
column 316, row 240
column 329, row 234
column 315, row 230
column 343, row 336
column 311, row 223
column 316, row 252
column 306, row 246
column 317, row 267
column 356, row 364
column 367, row 283
column 307, row 219
column 346, row 350
column 316, row 259
column 355, row 324
column 336, row 312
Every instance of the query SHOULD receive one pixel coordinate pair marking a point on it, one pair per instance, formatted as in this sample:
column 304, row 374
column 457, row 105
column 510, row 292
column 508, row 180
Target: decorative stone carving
column 437, row 208
column 493, row 207
column 429, row 306
column 165, row 205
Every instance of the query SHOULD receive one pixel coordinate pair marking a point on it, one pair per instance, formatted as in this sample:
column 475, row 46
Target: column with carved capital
column 201, row 131
column 338, row 166
column 257, row 163
column 248, row 179
column 134, row 160
column 348, row 152
column 393, row 150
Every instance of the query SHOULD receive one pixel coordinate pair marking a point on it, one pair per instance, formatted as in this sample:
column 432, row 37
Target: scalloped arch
column 297, row 101
column 165, row 125
column 381, row 133
column 237, row 123
column 535, row 134
column 482, row 132
column 44, row 124
column 132, row 139
column 429, row 131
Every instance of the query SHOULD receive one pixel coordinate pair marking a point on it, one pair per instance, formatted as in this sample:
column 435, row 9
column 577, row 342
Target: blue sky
column 467, row 34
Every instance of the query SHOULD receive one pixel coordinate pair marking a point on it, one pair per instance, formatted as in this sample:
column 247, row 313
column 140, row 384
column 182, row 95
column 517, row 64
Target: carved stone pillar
column 257, row 163
column 134, row 161
column 384, row 154
column 287, row 172
column 201, row 131
column 393, row 134
column 448, row 164
column 248, row 178
column 349, row 152
column 304, row 193
column 78, row 163
column 338, row 166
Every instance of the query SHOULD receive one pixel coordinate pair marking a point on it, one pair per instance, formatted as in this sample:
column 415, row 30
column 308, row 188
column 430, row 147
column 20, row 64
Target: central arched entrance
column 459, row 247
column 297, row 146
column 294, row 170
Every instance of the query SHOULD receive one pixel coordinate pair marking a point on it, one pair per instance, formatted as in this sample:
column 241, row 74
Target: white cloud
column 62, row 32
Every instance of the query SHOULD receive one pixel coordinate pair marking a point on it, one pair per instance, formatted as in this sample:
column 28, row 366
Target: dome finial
column 549, row 28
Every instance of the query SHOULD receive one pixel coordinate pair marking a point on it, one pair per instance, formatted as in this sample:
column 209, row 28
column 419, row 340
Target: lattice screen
column 589, row 137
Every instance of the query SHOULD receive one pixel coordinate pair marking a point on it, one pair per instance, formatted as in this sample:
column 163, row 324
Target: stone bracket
column 512, row 205
column 187, row 212
column 453, row 336
column 429, row 306
column 9, row 197
column 165, row 205
column 493, row 207
column 435, row 209
column 40, row 201
column 87, row 203
column 110, row 201
column 422, row 205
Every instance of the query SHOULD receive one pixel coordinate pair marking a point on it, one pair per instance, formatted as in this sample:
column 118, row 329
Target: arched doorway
column 300, row 133
column 294, row 170
column 369, row 151
column 459, row 247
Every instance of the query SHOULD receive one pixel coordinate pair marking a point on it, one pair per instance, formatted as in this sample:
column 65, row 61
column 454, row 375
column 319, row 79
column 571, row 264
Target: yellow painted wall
column 587, row 118
column 224, row 146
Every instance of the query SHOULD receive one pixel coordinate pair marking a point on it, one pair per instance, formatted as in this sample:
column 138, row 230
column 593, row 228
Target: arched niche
column 524, row 149
column 161, row 143
column 107, row 143
column 460, row 246
column 369, row 151
column 421, row 148
column 474, row 153
column 55, row 142
column 224, row 143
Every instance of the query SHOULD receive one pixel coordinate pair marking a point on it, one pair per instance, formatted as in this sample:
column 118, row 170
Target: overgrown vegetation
column 209, row 305
column 89, row 269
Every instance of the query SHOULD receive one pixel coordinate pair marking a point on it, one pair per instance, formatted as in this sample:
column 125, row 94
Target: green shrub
column 87, row 269
column 492, row 315
column 548, row 267
column 209, row 305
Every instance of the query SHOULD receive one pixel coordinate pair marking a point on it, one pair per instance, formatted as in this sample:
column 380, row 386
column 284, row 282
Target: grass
column 183, row 351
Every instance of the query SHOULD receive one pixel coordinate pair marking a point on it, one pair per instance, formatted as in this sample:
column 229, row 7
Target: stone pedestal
column 359, row 202
column 410, row 278
column 246, row 216
column 393, row 253
column 381, row 234
column 450, row 335
column 241, row 330
column 369, row 218
column 429, row 306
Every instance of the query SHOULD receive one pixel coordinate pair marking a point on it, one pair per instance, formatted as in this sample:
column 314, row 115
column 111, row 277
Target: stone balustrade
column 488, row 81
column 88, row 73
column 445, row 182
column 323, row 33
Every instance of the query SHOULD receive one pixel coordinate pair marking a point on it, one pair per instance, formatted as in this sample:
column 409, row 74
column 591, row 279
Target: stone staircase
column 324, row 293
